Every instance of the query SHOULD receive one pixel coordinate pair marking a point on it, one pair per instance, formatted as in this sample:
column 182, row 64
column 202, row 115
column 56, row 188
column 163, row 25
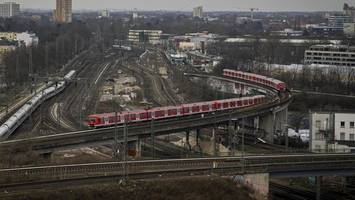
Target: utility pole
column 116, row 150
column 152, row 137
column 46, row 55
column 243, row 147
column 30, row 70
column 125, row 135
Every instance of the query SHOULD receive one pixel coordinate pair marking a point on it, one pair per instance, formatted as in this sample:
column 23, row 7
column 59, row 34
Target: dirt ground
column 204, row 188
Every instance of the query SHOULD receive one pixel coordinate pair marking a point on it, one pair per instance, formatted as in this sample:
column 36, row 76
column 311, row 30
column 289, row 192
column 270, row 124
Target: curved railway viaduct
column 269, row 117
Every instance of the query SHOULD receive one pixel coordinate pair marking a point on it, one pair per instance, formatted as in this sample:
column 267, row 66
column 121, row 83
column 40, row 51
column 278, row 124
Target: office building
column 105, row 13
column 9, row 9
column 198, row 12
column 338, row 21
column 336, row 55
column 145, row 36
column 332, row 131
column 63, row 12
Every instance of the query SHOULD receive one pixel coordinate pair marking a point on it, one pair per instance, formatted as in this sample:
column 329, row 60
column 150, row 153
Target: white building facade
column 198, row 12
column 9, row 9
column 27, row 39
column 145, row 36
column 338, row 55
column 331, row 131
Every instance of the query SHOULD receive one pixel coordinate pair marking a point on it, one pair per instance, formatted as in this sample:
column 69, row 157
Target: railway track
column 162, row 95
column 286, row 192
column 17, row 178
column 159, row 83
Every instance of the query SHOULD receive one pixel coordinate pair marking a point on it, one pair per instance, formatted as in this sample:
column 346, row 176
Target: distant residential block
column 198, row 12
column 338, row 55
column 9, row 9
column 145, row 36
column 63, row 11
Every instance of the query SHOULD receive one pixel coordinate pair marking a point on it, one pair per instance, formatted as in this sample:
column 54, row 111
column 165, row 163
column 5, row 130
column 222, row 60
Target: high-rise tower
column 63, row 12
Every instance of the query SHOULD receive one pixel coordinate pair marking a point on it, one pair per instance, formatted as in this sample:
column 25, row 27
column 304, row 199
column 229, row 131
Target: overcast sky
column 185, row 5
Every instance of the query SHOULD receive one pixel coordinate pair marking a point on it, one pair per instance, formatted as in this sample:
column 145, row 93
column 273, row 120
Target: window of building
column 352, row 124
column 318, row 124
column 319, row 136
column 342, row 136
column 352, row 137
column 342, row 124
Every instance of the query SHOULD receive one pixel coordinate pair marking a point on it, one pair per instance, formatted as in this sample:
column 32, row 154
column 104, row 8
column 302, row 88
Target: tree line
column 58, row 43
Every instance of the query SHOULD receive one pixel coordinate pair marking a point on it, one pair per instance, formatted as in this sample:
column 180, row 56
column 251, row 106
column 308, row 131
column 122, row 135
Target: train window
column 216, row 106
column 126, row 117
column 160, row 113
column 143, row 115
column 133, row 117
column 172, row 112
column 239, row 103
column 185, row 110
column 92, row 120
column 196, row 109
column 225, row 104
column 205, row 107
column 232, row 104
column 255, row 101
column 251, row 101
column 245, row 102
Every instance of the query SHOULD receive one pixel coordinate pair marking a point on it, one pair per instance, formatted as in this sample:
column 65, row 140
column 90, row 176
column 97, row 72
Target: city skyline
column 188, row 5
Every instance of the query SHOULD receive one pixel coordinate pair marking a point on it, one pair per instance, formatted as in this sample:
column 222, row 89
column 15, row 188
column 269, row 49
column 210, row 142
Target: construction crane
column 252, row 12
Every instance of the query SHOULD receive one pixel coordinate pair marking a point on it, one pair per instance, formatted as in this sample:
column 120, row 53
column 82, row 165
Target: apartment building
column 63, row 11
column 198, row 12
column 9, row 9
column 338, row 55
column 332, row 131
column 145, row 36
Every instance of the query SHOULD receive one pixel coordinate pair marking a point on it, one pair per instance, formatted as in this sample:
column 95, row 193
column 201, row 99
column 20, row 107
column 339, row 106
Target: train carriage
column 108, row 119
column 274, row 83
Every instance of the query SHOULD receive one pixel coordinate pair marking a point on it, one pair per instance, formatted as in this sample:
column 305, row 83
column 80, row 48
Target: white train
column 31, row 105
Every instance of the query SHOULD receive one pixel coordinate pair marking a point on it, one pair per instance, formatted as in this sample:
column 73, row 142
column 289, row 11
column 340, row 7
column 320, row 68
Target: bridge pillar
column 318, row 187
column 138, row 145
column 273, row 123
column 214, row 141
column 256, row 124
column 231, row 135
column 198, row 147
column 188, row 145
column 268, row 124
column 259, row 183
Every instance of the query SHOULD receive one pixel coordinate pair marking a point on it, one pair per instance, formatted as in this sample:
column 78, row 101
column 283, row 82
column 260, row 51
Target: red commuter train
column 108, row 119
column 270, row 82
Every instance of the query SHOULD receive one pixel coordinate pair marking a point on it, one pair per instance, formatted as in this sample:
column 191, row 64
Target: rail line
column 18, row 177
